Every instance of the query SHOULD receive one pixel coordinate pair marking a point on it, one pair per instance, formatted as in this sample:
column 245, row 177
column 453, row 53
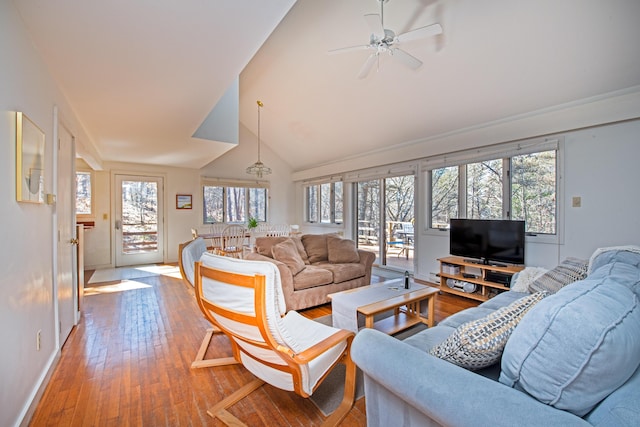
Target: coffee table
column 390, row 295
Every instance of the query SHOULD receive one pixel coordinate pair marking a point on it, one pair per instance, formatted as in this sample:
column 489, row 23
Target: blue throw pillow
column 577, row 346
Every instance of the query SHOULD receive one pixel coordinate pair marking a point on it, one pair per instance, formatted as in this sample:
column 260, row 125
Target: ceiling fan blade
column 420, row 33
column 375, row 25
column 348, row 49
column 368, row 64
column 409, row 60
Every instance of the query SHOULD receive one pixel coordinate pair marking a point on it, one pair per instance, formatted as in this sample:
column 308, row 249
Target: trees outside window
column 324, row 203
column 234, row 204
column 84, row 201
column 478, row 190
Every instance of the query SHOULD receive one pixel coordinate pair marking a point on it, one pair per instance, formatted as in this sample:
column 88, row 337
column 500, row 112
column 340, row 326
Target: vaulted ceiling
column 142, row 76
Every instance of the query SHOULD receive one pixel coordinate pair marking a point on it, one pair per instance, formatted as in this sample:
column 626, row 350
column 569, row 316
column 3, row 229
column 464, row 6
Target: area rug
column 137, row 272
column 328, row 395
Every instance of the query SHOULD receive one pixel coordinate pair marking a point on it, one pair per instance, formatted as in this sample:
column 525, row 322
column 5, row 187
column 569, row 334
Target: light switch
column 105, row 216
column 576, row 201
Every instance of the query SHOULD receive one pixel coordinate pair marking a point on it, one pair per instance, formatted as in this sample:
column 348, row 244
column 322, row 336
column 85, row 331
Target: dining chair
column 233, row 241
column 216, row 237
column 188, row 253
column 288, row 351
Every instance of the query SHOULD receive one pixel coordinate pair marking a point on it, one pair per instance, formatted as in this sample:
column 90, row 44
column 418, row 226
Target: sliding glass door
column 385, row 220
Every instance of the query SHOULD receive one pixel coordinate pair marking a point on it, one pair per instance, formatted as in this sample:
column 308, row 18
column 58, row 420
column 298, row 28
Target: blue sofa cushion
column 479, row 343
column 577, row 346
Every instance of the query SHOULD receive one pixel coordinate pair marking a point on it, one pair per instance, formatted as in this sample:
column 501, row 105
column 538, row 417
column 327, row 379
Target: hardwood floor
column 128, row 364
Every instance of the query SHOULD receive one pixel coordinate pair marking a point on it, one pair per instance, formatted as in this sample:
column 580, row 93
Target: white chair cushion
column 191, row 253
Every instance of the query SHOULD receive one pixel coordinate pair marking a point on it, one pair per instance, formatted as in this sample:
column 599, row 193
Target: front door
column 139, row 220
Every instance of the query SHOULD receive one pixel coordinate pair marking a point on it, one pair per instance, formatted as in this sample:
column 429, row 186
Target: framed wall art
column 183, row 201
column 29, row 160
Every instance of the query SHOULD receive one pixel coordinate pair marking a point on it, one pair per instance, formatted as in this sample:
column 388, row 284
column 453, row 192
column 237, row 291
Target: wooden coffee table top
column 406, row 305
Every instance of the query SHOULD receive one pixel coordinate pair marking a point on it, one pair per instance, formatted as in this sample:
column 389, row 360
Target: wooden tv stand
column 484, row 286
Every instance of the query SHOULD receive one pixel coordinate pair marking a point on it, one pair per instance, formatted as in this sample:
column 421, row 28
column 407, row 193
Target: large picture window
column 234, row 203
column 513, row 186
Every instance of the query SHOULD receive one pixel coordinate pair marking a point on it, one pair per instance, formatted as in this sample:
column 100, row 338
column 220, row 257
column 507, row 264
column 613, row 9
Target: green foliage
column 252, row 223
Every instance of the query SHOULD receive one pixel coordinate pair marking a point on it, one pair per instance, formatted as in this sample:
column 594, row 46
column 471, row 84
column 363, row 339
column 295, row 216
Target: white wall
column 27, row 288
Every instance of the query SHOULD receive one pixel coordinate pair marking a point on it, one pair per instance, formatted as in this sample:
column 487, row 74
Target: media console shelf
column 480, row 271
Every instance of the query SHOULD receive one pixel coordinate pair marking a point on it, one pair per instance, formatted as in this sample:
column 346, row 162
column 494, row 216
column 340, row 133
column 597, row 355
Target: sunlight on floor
column 125, row 285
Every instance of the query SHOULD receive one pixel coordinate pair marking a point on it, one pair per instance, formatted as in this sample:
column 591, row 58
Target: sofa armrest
column 445, row 393
column 367, row 258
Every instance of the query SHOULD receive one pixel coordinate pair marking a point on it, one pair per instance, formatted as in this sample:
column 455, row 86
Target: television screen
column 488, row 240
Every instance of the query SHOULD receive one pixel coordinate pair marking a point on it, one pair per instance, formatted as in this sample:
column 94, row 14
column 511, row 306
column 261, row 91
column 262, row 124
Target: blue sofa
column 571, row 360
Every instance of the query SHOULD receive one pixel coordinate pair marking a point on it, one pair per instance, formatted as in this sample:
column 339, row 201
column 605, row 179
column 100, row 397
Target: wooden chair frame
column 292, row 360
column 200, row 361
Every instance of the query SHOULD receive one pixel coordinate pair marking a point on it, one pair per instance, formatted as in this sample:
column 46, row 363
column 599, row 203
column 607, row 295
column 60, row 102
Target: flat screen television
column 488, row 241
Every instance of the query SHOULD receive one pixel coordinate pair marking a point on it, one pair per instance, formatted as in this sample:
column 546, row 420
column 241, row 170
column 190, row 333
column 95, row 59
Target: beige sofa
column 314, row 265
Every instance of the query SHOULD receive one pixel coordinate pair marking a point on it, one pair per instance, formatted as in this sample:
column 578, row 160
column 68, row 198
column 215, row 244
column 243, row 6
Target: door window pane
column 139, row 216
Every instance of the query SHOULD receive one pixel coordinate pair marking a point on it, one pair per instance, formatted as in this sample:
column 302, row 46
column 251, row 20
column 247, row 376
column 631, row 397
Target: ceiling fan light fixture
column 259, row 169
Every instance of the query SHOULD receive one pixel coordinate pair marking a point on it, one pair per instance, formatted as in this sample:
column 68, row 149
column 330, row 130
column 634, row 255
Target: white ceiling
column 142, row 76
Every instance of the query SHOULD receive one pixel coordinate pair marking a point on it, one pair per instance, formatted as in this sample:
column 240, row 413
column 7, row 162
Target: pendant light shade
column 259, row 169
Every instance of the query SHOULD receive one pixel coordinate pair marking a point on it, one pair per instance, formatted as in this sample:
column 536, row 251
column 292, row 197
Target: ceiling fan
column 382, row 40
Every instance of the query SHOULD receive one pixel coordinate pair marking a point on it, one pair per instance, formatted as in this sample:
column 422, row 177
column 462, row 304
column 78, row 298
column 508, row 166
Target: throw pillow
column 287, row 253
column 342, row 250
column 568, row 271
column 479, row 343
column 576, row 347
column 264, row 245
column 316, row 247
column 522, row 279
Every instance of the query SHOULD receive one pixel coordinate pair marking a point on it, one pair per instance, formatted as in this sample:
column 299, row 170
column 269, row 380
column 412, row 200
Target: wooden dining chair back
column 188, row 253
column 288, row 351
column 233, row 241
column 216, row 237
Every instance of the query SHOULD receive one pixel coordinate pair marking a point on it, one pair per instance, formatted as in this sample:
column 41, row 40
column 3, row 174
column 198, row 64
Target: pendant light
column 258, row 168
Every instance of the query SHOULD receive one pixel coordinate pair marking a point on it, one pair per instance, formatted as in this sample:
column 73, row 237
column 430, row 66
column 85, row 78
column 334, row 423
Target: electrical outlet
column 38, row 339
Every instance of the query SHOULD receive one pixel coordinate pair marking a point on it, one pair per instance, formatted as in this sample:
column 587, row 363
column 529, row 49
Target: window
column 484, row 190
column 84, row 194
column 444, row 196
column 513, row 186
column 324, row 203
column 533, row 191
column 233, row 203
